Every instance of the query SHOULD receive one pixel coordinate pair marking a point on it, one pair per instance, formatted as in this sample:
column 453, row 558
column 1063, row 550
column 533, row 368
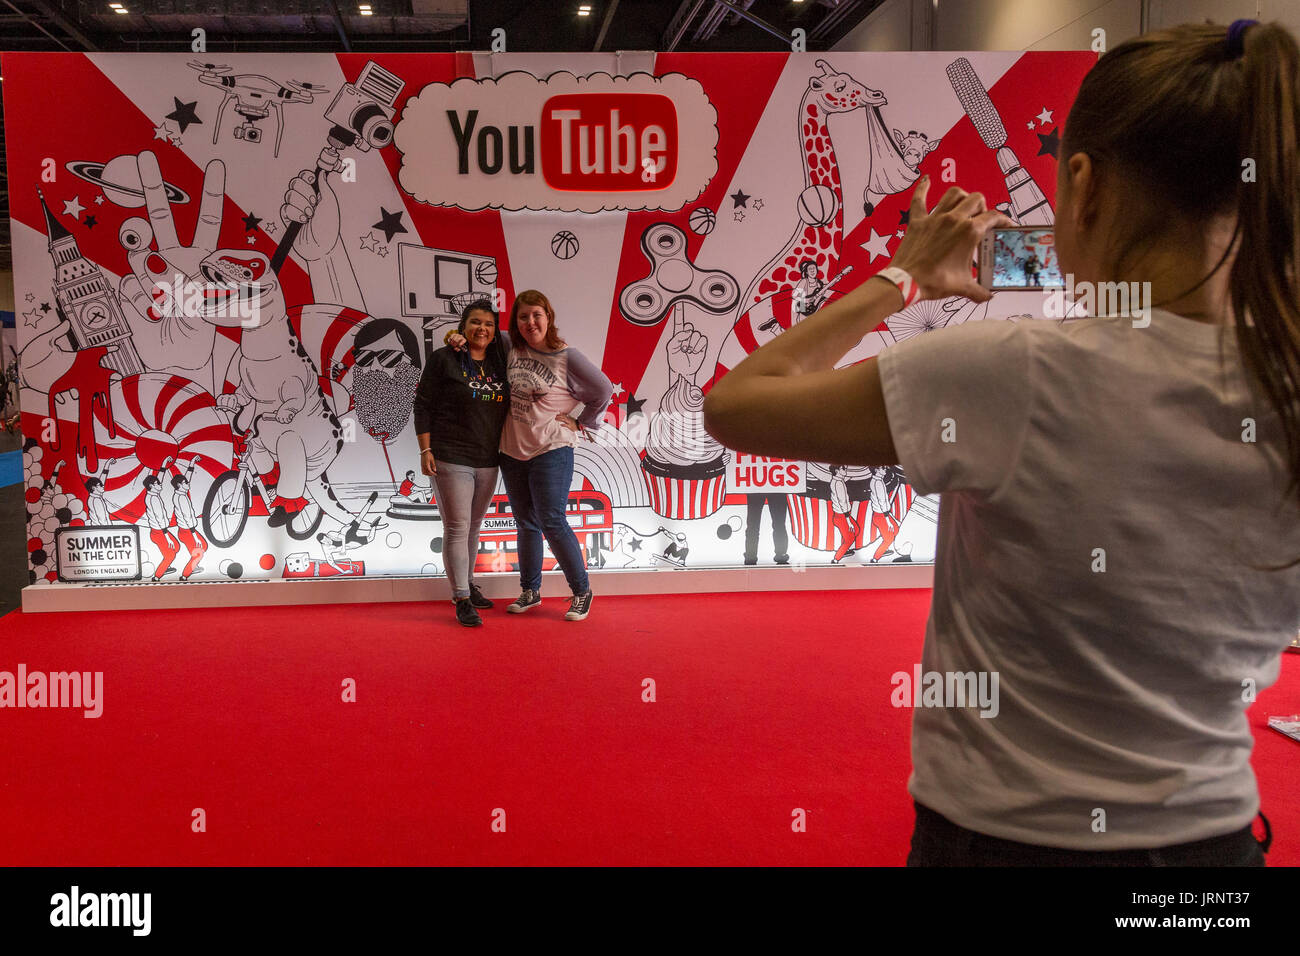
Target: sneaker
column 526, row 599
column 466, row 614
column 477, row 599
column 579, row 607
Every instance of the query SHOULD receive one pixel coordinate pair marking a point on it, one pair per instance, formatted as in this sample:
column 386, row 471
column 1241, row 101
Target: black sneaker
column 526, row 599
column 466, row 614
column 477, row 599
column 579, row 607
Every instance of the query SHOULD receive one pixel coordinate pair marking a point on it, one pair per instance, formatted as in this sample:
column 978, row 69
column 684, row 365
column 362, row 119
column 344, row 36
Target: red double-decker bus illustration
column 589, row 513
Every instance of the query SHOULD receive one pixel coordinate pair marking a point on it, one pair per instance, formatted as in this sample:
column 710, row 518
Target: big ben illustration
column 87, row 300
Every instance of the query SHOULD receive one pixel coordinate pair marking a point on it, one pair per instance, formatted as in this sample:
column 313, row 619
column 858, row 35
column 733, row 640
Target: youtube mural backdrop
column 230, row 269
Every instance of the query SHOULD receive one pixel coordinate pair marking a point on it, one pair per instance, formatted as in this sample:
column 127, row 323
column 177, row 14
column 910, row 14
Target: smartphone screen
column 1025, row 259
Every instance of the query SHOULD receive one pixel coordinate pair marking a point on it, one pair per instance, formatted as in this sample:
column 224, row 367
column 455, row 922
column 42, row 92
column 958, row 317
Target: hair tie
column 1237, row 37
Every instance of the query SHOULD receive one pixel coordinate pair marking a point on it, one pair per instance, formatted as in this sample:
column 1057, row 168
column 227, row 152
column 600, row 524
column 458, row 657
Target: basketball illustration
column 817, row 205
column 703, row 220
column 564, row 245
column 485, row 273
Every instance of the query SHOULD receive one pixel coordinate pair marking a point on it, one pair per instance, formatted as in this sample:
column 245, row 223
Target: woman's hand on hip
column 940, row 245
column 568, row 421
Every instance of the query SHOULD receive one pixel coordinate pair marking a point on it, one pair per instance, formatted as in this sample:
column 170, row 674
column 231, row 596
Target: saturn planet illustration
column 120, row 180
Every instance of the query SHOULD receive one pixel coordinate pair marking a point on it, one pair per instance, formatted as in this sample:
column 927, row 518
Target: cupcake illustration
column 683, row 465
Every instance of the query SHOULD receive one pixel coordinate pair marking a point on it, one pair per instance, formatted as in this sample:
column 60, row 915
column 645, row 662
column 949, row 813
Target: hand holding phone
column 940, row 244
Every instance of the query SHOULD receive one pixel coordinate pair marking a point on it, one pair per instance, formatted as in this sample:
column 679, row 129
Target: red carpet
column 765, row 703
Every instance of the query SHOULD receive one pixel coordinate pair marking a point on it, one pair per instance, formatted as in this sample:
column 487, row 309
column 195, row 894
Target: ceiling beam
column 757, row 21
column 604, row 26
column 51, row 12
column 338, row 25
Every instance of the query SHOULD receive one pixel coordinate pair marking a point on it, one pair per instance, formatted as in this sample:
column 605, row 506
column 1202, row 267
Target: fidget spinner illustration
column 674, row 279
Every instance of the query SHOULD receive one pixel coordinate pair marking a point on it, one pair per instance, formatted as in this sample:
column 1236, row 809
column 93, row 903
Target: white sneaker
column 528, row 598
column 579, row 607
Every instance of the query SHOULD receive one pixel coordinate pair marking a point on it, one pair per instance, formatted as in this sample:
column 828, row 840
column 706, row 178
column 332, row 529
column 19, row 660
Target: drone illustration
column 255, row 97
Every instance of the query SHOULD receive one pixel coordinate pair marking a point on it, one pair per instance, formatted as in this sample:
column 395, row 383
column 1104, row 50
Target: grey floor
column 13, row 536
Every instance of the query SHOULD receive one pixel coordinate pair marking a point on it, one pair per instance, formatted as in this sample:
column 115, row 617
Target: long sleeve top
column 544, row 385
column 462, row 413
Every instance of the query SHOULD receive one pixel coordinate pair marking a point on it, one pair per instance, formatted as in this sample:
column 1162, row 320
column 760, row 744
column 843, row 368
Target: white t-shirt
column 1118, row 690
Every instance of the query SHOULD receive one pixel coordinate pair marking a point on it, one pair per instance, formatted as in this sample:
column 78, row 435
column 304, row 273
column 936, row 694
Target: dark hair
column 1176, row 114
column 805, row 264
column 149, row 482
column 410, row 472
column 376, row 329
column 92, row 484
column 533, row 297
column 178, row 478
column 496, row 353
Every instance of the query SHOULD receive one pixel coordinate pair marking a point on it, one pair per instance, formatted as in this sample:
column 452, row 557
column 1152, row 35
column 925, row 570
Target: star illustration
column 72, row 207
column 91, row 223
column 1029, row 125
column 1049, row 144
column 739, row 216
column 176, row 140
column 31, row 318
column 758, row 204
column 251, row 222
column 370, row 241
column 383, row 252
column 903, row 216
column 635, row 544
column 45, row 307
column 252, row 240
column 184, row 114
column 899, row 234
column 161, row 131
column 99, row 200
column 390, row 223
column 1045, row 116
column 877, row 245
column 618, row 389
column 634, row 405
column 30, row 297
column 270, row 228
column 739, row 198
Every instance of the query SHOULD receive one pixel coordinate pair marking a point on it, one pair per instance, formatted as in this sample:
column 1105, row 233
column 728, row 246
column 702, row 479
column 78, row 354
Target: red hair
column 533, row 297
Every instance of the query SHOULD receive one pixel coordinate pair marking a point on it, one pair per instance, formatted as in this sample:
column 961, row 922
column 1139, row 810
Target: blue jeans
column 539, row 491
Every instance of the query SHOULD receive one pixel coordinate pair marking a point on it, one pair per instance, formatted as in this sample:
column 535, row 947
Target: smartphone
column 1020, row 258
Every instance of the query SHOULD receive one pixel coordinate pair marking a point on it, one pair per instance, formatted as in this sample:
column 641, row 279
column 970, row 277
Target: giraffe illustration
column 814, row 245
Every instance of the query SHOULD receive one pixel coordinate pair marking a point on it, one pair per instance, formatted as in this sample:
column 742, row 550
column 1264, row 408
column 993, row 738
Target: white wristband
column 903, row 281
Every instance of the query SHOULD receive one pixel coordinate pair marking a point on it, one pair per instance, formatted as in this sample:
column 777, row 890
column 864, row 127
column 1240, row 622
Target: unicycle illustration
column 230, row 499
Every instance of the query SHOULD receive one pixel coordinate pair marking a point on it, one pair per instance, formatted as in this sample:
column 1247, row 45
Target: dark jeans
column 777, row 507
column 539, row 491
column 937, row 841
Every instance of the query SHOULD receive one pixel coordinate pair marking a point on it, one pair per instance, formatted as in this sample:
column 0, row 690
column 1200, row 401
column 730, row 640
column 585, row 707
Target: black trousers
column 778, row 508
column 937, row 841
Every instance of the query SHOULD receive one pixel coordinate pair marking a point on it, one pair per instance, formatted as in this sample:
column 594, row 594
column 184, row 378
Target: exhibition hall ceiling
column 414, row 26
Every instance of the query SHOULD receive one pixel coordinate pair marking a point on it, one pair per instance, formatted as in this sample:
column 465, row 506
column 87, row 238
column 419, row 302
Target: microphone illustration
column 1029, row 206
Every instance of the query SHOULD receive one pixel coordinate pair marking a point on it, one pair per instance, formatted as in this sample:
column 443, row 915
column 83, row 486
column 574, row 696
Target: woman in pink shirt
column 548, row 380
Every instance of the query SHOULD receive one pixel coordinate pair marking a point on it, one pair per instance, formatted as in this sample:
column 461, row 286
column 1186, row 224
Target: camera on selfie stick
column 362, row 116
